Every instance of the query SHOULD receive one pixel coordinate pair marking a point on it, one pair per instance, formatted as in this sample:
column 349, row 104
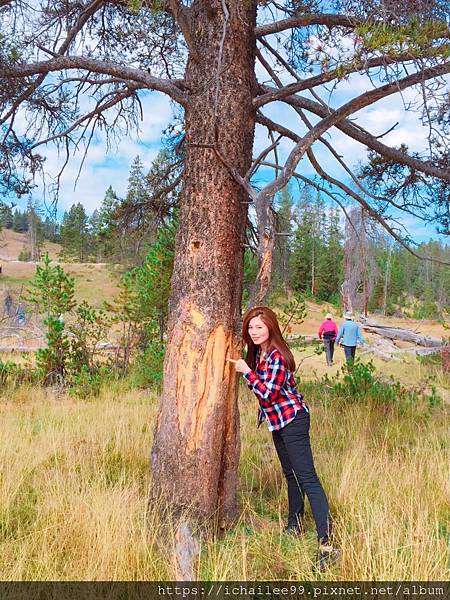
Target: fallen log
column 399, row 333
column 310, row 338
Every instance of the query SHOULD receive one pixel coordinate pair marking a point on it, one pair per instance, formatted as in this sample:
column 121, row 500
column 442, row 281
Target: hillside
column 94, row 282
column 12, row 242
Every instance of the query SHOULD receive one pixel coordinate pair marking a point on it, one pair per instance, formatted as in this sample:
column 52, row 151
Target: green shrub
column 359, row 383
column 24, row 255
column 426, row 310
column 434, row 399
column 52, row 292
column 148, row 370
column 362, row 384
column 12, row 374
column 84, row 383
column 335, row 299
column 89, row 328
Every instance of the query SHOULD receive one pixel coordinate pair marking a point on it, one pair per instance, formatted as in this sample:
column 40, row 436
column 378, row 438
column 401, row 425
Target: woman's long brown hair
column 269, row 318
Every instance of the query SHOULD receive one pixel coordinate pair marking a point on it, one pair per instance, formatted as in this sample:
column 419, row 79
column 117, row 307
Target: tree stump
column 445, row 355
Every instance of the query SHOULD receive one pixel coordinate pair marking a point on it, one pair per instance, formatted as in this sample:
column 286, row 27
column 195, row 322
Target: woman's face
column 258, row 331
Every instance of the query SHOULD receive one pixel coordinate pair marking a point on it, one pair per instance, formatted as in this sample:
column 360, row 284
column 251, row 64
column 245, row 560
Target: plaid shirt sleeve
column 268, row 391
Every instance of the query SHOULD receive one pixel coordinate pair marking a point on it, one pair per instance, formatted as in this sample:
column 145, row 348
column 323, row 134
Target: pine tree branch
column 370, row 211
column 305, row 20
column 361, row 135
column 352, row 130
column 373, row 213
column 261, row 157
column 340, row 73
column 173, row 88
column 346, row 110
column 83, row 18
column 101, row 106
column 275, row 127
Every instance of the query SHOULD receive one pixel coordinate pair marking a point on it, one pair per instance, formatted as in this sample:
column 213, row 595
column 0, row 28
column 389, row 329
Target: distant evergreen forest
column 315, row 246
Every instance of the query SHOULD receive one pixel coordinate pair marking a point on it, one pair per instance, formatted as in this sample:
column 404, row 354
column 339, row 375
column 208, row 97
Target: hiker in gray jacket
column 349, row 335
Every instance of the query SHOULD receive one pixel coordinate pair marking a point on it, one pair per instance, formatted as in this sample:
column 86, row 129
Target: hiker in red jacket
column 328, row 332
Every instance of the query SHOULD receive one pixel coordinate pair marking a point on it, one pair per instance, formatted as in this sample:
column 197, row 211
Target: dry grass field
column 75, row 480
column 12, row 242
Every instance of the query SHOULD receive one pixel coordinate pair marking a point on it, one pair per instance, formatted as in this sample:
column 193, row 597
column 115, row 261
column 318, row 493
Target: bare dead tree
column 360, row 268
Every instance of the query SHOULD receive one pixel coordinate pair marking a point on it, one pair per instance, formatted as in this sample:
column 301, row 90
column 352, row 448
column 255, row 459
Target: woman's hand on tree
column 240, row 365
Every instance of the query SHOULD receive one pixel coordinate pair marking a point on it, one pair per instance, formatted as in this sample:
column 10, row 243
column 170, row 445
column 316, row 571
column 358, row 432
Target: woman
column 268, row 369
column 328, row 332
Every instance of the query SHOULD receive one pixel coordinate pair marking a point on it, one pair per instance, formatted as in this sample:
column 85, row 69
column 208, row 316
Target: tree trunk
column 386, row 280
column 266, row 240
column 364, row 265
column 285, row 268
column 445, row 355
column 345, row 287
column 196, row 445
column 265, row 268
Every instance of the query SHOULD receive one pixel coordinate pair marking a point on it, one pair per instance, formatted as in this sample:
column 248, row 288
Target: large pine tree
column 75, row 234
column 202, row 55
column 331, row 259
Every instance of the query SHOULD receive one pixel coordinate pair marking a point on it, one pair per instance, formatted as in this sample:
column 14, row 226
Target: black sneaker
column 295, row 530
column 327, row 555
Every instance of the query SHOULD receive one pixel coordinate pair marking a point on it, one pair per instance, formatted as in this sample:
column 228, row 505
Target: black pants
column 350, row 352
column 329, row 350
column 294, row 451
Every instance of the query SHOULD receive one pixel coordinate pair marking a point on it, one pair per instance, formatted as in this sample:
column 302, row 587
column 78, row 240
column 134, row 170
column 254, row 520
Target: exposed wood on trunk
column 186, row 553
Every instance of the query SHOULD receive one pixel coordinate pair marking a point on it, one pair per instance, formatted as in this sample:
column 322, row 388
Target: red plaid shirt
column 274, row 386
